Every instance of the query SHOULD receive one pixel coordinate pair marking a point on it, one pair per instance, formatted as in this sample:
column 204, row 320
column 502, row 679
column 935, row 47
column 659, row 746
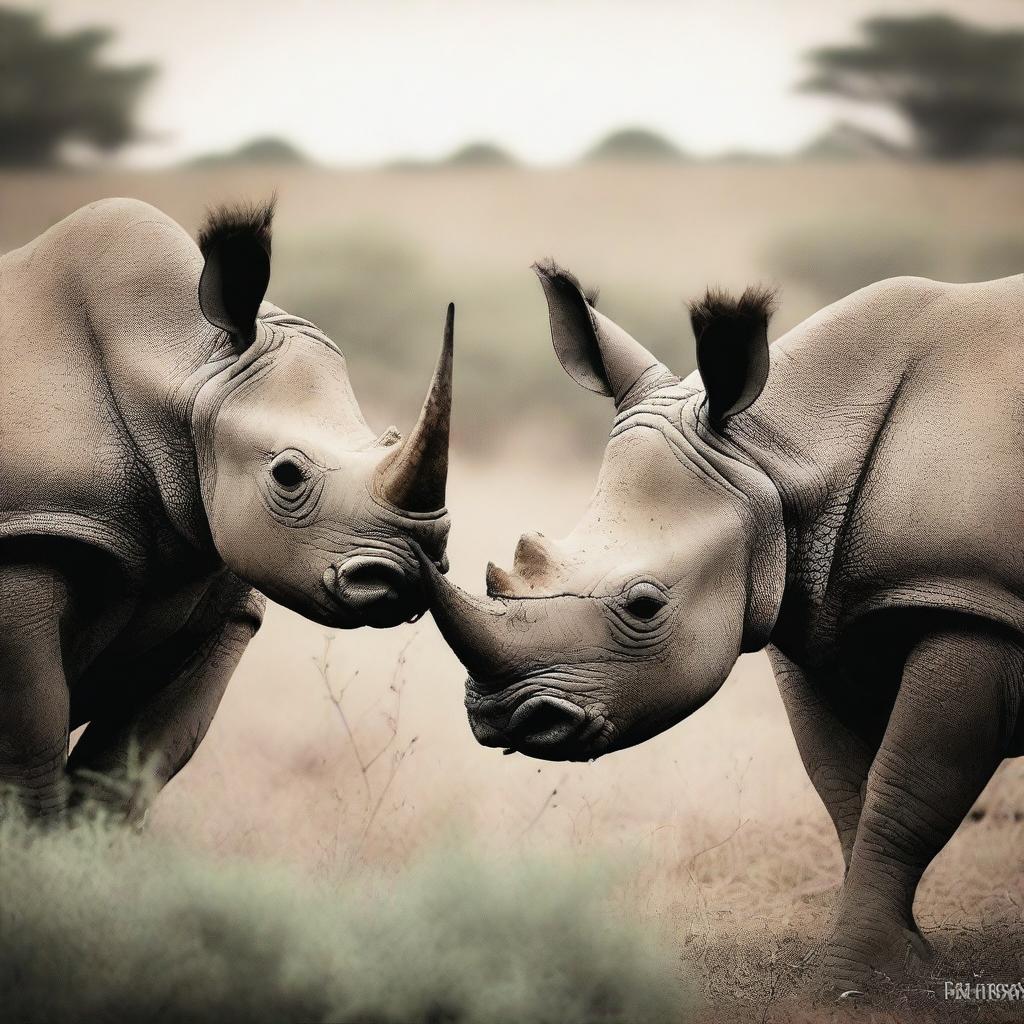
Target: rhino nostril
column 367, row 581
column 370, row 571
column 546, row 721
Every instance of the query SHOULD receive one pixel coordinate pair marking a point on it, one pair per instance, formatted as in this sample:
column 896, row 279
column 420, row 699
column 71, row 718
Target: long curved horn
column 415, row 476
column 478, row 629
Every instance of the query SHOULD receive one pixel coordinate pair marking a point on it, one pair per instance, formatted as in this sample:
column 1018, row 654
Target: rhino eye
column 288, row 474
column 644, row 601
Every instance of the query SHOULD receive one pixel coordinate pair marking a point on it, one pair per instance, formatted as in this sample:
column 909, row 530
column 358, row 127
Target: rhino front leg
column 34, row 701
column 836, row 760
column 957, row 709
column 161, row 729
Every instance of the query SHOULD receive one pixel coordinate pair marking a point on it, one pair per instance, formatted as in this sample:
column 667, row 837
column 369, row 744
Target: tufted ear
column 732, row 348
column 235, row 242
column 594, row 350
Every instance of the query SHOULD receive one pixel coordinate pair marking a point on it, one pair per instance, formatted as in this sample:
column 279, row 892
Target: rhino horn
column 414, row 478
column 479, row 630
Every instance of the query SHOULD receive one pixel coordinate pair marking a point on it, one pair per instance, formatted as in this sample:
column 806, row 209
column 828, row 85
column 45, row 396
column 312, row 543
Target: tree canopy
column 480, row 154
column 633, row 144
column 959, row 87
column 267, row 149
column 56, row 88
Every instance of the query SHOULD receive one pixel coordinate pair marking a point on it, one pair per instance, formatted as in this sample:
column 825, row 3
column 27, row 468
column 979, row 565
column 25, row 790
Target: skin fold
column 848, row 499
column 174, row 448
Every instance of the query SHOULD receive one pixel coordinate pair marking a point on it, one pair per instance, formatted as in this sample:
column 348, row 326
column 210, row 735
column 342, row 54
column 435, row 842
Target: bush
column 268, row 150
column 98, row 924
column 479, row 154
column 634, row 144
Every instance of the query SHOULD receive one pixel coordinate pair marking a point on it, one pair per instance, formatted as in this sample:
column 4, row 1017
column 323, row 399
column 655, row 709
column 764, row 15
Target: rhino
column 849, row 500
column 175, row 450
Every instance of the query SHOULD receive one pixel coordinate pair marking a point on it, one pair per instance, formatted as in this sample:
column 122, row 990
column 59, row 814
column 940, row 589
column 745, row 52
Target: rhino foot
column 870, row 958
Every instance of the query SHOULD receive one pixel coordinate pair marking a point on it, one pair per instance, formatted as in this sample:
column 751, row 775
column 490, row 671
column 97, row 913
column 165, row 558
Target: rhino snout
column 375, row 591
column 546, row 721
column 543, row 726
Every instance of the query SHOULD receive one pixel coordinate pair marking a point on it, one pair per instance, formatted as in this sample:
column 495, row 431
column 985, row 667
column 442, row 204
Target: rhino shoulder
column 111, row 242
column 119, row 212
column 893, row 299
column 131, row 223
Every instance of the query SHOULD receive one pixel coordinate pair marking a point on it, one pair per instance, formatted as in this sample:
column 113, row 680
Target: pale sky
column 364, row 81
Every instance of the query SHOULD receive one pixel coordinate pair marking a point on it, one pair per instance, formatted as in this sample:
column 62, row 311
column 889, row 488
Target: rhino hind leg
column 955, row 713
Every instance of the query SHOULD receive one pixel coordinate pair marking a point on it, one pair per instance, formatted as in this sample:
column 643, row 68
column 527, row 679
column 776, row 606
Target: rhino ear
column 595, row 351
column 235, row 242
column 732, row 348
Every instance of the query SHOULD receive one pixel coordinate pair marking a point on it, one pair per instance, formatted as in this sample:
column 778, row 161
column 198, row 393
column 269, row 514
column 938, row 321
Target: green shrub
column 98, row 924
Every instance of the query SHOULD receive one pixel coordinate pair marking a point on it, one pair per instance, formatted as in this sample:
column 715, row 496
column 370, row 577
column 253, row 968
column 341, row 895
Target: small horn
column 415, row 476
column 479, row 630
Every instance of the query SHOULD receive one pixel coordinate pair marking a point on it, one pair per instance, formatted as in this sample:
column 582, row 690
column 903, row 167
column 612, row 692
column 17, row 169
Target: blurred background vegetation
column 373, row 255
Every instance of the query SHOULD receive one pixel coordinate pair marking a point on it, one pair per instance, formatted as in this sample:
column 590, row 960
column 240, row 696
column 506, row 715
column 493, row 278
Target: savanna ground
column 333, row 752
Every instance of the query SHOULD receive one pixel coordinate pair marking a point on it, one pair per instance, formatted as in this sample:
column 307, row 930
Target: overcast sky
column 361, row 81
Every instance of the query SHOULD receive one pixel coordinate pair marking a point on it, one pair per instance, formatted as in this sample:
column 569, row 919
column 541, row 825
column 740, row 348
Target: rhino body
column 850, row 500
column 172, row 445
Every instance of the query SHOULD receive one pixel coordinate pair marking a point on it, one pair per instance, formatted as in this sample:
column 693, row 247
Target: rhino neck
column 812, row 432
column 139, row 272
column 757, row 498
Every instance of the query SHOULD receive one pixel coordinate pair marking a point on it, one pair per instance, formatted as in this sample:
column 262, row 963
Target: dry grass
column 366, row 760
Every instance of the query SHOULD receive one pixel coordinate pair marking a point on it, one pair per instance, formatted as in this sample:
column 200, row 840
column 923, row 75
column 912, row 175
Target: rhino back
column 938, row 514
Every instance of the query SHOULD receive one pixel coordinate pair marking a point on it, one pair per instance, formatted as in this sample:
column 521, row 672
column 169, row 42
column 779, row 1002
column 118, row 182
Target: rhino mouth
column 544, row 726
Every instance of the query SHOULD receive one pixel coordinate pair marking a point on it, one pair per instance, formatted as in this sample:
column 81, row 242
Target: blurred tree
column 480, row 154
column 55, row 89
column 845, row 141
column 266, row 150
column 960, row 87
column 633, row 144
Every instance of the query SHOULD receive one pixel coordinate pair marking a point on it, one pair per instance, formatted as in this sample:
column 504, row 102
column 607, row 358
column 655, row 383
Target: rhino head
column 303, row 499
column 602, row 639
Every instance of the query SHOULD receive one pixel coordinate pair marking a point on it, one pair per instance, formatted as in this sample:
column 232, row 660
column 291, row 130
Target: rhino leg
column 956, row 712
column 159, row 709
column 836, row 760
column 34, row 701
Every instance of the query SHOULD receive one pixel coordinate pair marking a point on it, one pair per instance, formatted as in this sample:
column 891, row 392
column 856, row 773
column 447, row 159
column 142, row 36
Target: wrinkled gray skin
column 862, row 518
column 141, row 514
